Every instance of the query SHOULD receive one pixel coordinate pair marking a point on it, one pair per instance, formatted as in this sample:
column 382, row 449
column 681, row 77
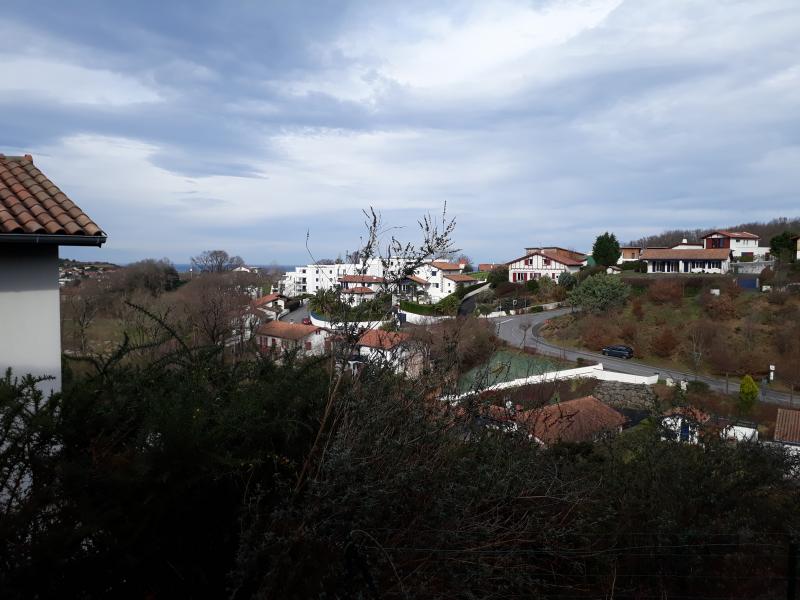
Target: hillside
column 765, row 230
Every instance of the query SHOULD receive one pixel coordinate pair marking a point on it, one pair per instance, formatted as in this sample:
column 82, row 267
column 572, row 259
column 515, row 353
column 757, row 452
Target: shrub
column 567, row 280
column 697, row 387
column 600, row 293
column 637, row 308
column 596, row 333
column 748, row 395
column 720, row 307
column 498, row 276
column 629, row 331
column 532, row 285
column 666, row 290
column 665, row 343
column 777, row 297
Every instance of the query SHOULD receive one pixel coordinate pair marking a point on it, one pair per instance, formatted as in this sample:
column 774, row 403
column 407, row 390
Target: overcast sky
column 185, row 126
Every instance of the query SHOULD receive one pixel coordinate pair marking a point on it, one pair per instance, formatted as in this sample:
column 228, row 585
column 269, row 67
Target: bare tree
column 212, row 307
column 216, row 261
column 699, row 338
column 82, row 304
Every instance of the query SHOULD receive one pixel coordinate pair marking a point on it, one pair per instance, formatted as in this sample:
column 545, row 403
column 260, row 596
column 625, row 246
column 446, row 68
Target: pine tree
column 606, row 249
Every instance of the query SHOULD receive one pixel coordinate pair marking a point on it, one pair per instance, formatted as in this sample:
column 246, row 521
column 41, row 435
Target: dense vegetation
column 766, row 230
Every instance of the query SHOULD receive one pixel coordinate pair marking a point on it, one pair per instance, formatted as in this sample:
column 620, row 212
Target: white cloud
column 69, row 83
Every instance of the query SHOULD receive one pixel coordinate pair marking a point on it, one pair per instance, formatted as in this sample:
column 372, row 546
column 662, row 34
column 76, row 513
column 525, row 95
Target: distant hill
column 65, row 263
column 765, row 230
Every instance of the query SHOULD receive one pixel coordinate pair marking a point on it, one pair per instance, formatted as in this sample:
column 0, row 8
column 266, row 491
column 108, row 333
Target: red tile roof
column 359, row 290
column 735, row 234
column 787, row 426
column 417, row 279
column 385, row 340
column 446, row 266
column 30, row 204
column 489, row 266
column 579, row 420
column 361, row 279
column 267, row 299
column 688, row 254
column 559, row 258
column 460, row 278
column 287, row 331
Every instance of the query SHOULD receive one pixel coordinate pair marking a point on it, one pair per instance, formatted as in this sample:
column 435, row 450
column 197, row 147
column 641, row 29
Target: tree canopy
column 782, row 246
column 599, row 293
column 606, row 249
column 216, row 261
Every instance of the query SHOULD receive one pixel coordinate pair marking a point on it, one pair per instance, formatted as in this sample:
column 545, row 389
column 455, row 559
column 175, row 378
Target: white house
column 35, row 219
column 544, row 262
column 392, row 347
column 432, row 280
column 796, row 240
column 279, row 336
column 669, row 260
column 741, row 244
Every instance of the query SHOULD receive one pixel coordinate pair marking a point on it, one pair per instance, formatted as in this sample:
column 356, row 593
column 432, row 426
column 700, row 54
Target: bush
column 748, row 395
column 666, row 290
column 637, row 309
column 665, row 343
column 599, row 293
column 567, row 280
column 498, row 276
column 532, row 285
column 697, row 387
column 629, row 331
column 719, row 307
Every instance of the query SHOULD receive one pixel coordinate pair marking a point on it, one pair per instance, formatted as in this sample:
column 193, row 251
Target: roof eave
column 60, row 240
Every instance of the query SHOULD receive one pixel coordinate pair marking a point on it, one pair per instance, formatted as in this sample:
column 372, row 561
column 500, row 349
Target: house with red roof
column 36, row 217
column 277, row 337
column 581, row 420
column 541, row 262
column 393, row 347
column 742, row 245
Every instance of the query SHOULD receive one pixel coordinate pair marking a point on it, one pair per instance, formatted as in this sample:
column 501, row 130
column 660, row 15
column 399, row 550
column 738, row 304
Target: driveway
column 523, row 330
column 296, row 316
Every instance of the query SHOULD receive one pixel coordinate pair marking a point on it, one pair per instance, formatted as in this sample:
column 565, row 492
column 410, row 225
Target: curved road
column 522, row 330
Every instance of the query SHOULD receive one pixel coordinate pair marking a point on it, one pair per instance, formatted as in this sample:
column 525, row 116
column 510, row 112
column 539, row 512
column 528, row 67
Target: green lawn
column 505, row 366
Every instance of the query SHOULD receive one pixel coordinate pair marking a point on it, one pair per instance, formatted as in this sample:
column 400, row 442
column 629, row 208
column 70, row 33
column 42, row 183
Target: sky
column 265, row 128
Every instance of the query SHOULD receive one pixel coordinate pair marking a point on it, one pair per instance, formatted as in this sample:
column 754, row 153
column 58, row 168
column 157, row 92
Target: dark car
column 618, row 351
column 306, row 321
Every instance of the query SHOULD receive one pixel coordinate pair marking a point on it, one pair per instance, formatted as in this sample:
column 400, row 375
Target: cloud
column 244, row 126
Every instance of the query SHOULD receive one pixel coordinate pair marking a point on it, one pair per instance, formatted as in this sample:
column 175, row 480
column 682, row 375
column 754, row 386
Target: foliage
column 665, row 343
column 532, row 286
column 599, row 293
column 782, row 246
column 748, row 395
column 215, row 261
column 606, row 249
column 497, row 276
column 664, row 291
column 567, row 280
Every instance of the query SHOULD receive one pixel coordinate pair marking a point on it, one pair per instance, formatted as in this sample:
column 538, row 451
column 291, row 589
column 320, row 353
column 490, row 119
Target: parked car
column 618, row 351
column 306, row 320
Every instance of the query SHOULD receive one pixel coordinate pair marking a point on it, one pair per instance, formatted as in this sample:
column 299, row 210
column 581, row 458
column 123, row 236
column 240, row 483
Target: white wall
column 30, row 323
column 534, row 266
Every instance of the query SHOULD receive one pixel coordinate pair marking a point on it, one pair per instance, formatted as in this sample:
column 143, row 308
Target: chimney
column 29, row 158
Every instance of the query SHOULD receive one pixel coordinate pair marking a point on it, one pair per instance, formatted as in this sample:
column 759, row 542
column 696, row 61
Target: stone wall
column 626, row 395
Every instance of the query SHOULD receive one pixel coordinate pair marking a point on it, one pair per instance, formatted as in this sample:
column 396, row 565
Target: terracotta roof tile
column 358, row 290
column 460, row 278
column 446, row 266
column 735, row 234
column 386, row 340
column 30, row 203
column 579, row 420
column 417, row 279
column 688, row 254
column 787, row 426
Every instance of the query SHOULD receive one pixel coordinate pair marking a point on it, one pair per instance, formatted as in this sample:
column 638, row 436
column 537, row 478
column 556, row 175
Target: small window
column 546, row 262
column 308, row 345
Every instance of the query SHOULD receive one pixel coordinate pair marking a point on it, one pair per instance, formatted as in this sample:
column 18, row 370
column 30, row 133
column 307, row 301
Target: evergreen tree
column 606, row 249
column 748, row 395
column 782, row 246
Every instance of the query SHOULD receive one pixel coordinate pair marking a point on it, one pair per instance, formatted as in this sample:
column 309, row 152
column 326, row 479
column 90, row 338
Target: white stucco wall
column 30, row 322
column 535, row 266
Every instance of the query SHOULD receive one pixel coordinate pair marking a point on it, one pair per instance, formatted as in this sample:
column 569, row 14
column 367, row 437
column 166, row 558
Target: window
column 546, row 262
column 308, row 345
column 433, row 272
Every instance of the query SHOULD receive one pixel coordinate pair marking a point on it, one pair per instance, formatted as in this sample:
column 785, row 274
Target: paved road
column 296, row 316
column 522, row 330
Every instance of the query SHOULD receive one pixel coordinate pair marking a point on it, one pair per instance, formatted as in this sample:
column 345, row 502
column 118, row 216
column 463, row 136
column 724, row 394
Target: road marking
column 506, row 321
